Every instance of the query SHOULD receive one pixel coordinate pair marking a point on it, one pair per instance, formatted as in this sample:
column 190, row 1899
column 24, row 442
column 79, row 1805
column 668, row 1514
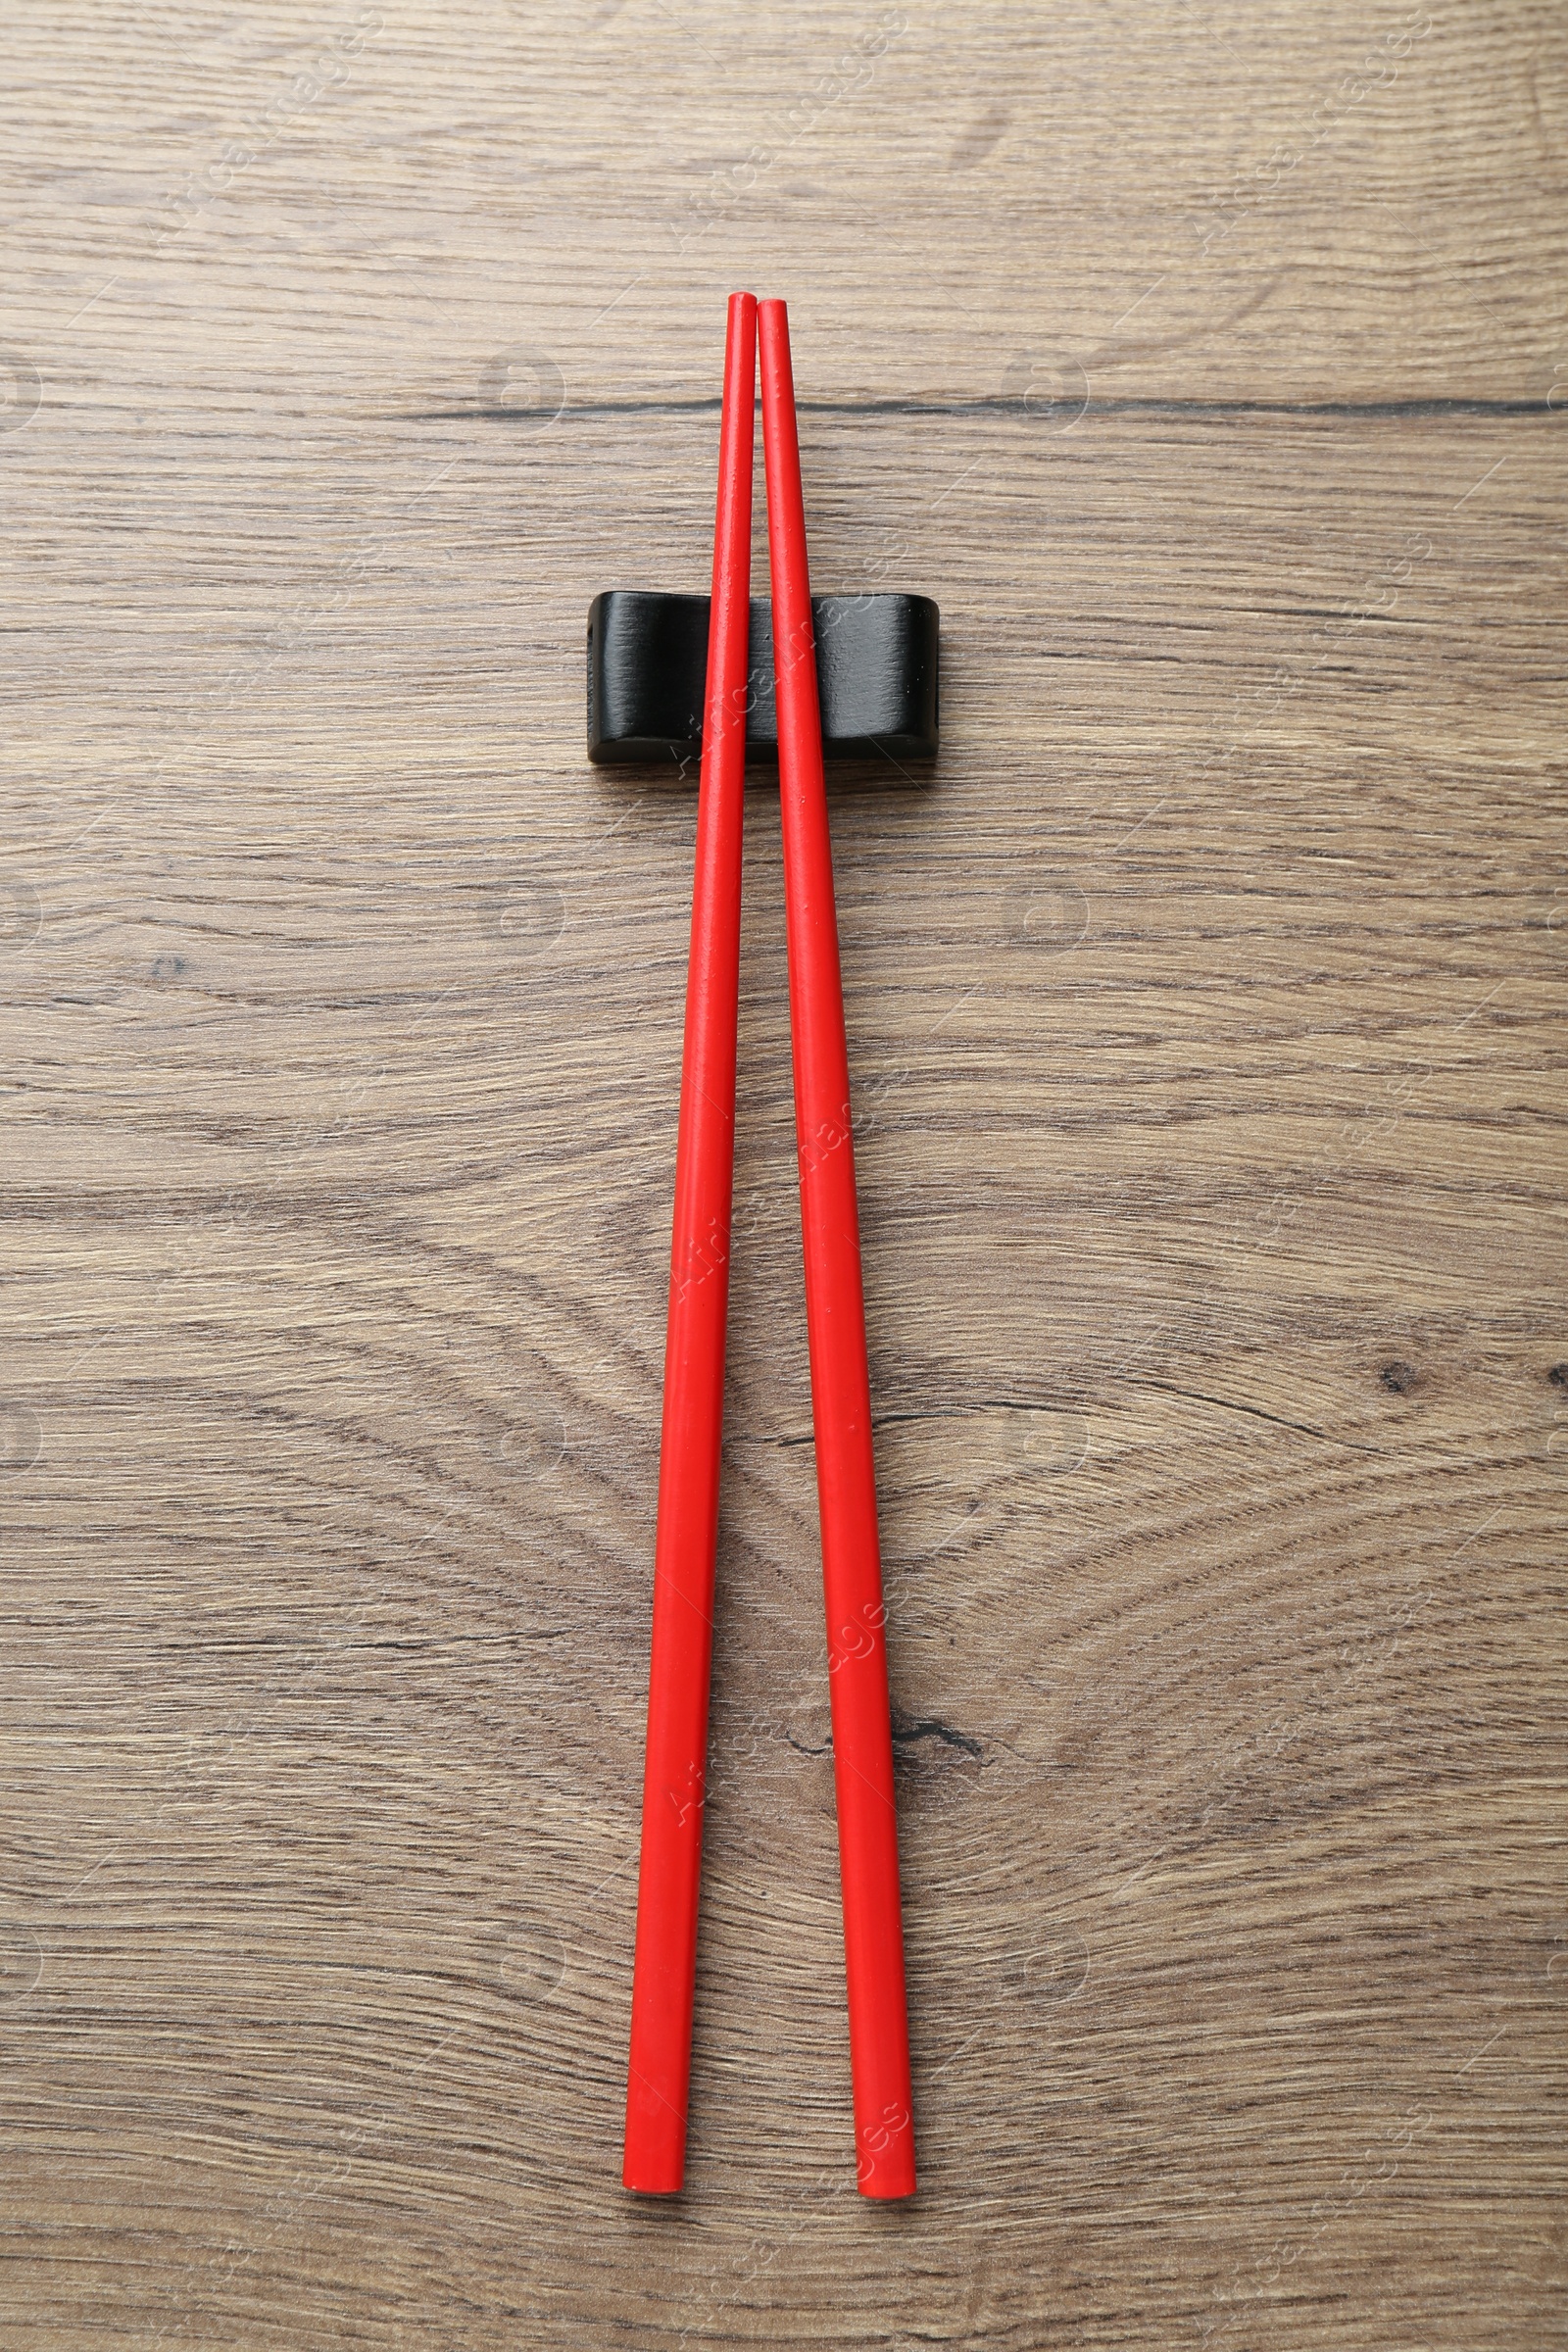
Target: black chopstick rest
column 877, row 667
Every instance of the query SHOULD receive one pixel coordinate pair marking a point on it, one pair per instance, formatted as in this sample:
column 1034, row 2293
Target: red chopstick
column 835, row 1312
column 687, row 1530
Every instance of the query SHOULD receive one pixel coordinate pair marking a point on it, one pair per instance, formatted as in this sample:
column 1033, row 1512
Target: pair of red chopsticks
column 673, row 1785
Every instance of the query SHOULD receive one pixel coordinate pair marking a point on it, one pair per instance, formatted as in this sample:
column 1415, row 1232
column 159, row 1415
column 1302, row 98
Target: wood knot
column 1399, row 1379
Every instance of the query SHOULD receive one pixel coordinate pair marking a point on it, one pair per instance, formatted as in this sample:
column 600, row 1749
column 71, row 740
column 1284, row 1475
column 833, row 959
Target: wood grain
column 1206, row 364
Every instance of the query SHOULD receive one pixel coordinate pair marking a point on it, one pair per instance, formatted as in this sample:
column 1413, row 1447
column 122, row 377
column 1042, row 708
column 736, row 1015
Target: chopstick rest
column 876, row 675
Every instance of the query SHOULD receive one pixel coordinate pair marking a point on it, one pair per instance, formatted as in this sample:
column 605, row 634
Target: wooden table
column 1200, row 359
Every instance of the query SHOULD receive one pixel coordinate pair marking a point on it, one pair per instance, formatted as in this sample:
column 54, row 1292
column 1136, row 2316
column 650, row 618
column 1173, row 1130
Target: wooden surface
column 1202, row 361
